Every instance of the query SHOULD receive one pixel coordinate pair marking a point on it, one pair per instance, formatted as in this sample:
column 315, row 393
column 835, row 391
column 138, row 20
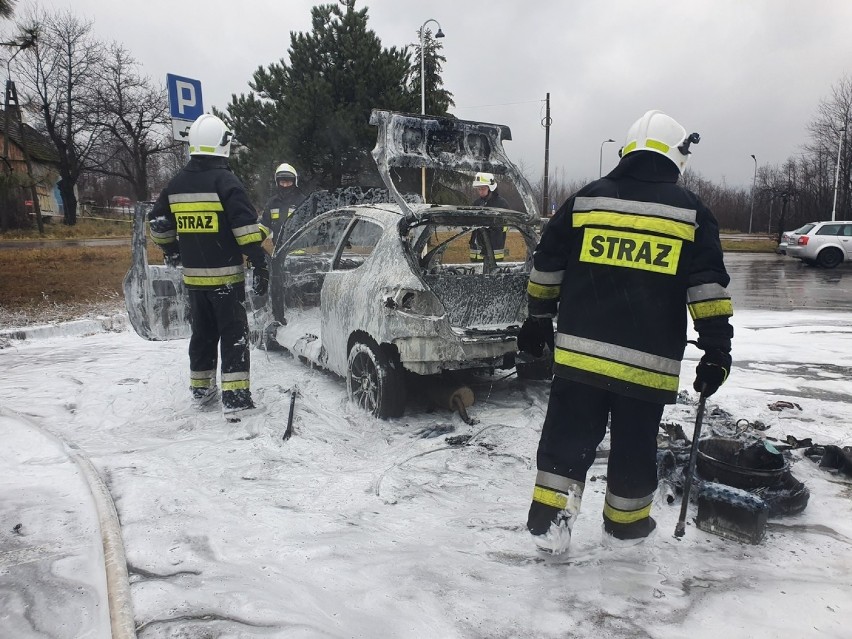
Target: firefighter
column 281, row 206
column 486, row 189
column 620, row 260
column 204, row 220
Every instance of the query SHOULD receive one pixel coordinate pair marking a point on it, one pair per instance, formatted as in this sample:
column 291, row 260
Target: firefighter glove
column 260, row 280
column 534, row 334
column 171, row 259
column 712, row 371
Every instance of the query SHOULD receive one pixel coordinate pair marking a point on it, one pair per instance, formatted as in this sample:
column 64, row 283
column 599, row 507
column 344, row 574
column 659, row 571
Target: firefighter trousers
column 219, row 320
column 575, row 425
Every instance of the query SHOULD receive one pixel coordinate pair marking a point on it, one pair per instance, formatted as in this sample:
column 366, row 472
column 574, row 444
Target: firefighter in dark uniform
column 620, row 260
column 486, row 188
column 281, row 206
column 204, row 220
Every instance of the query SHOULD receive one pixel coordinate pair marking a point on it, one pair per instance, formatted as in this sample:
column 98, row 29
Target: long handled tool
column 680, row 529
column 289, row 430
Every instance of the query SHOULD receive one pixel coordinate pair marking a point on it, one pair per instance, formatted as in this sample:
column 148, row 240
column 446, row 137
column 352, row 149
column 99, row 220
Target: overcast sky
column 748, row 76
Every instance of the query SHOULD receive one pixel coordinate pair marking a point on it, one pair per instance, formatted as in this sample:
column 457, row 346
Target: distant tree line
column 799, row 190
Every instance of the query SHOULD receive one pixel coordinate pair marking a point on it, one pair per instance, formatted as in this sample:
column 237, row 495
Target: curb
column 98, row 324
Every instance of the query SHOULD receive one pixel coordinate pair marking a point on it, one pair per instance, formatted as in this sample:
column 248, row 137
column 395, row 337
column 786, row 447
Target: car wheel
column 829, row 258
column 375, row 381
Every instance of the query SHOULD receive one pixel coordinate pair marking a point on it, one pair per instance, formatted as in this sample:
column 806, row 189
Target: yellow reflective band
column 179, row 207
column 616, row 370
column 656, row 145
column 163, row 240
column 197, row 222
column 628, row 148
column 237, row 385
column 476, row 256
column 200, row 383
column 713, row 308
column 207, row 149
column 631, row 250
column 542, row 292
column 242, row 240
column 550, row 498
column 218, row 280
column 626, row 517
column 275, row 214
column 638, row 222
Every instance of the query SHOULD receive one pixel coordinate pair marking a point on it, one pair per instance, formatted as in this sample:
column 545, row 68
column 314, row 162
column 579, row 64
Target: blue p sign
column 184, row 97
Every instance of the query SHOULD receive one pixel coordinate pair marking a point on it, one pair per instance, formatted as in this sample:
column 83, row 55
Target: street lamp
column 753, row 182
column 439, row 34
column 600, row 163
column 837, row 173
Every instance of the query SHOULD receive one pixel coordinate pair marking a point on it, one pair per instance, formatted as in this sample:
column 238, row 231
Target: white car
column 824, row 243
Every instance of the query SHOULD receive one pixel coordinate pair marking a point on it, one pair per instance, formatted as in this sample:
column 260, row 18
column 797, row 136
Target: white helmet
column 208, row 135
column 286, row 171
column 485, row 179
column 655, row 131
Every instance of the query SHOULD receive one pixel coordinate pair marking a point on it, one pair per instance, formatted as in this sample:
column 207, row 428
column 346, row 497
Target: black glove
column 171, row 259
column 260, row 280
column 534, row 334
column 712, row 371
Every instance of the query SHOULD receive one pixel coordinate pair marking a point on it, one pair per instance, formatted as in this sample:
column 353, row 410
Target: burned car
column 378, row 287
column 373, row 291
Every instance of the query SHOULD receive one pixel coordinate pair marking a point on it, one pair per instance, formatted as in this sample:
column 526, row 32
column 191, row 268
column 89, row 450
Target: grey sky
column 747, row 75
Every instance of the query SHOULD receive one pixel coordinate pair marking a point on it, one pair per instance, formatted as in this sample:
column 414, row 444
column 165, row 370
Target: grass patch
column 85, row 228
column 764, row 245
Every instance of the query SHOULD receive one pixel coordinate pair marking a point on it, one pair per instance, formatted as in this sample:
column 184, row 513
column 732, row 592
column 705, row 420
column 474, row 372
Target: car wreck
column 377, row 286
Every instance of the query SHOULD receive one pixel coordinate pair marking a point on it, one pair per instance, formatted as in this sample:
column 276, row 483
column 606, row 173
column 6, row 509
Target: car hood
column 433, row 142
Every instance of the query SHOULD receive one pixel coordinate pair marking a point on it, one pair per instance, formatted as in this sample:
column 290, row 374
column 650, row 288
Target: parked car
column 824, row 243
column 376, row 291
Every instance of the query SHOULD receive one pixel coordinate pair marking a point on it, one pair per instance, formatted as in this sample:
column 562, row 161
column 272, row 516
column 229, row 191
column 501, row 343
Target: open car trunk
column 481, row 295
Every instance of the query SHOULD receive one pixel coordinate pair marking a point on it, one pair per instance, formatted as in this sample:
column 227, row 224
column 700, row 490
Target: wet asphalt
column 775, row 282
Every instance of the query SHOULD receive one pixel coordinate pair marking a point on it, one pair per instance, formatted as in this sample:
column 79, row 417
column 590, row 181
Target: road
column 30, row 244
column 776, row 282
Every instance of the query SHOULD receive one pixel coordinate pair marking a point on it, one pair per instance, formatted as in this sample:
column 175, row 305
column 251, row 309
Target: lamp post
column 837, row 173
column 600, row 162
column 439, row 34
column 753, row 182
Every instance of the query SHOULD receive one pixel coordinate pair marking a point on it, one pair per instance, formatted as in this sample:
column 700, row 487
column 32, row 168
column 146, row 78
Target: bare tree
column 832, row 123
column 134, row 115
column 59, row 75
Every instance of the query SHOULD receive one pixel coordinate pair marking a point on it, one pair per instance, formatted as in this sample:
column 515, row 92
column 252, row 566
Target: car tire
column 830, row 257
column 375, row 380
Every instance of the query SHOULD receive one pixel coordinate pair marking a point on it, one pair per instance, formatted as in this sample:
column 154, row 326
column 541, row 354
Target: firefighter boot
column 203, row 396
column 236, row 403
column 551, row 518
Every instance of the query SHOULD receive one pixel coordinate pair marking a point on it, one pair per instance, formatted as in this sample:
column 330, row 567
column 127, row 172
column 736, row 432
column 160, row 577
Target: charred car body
column 381, row 284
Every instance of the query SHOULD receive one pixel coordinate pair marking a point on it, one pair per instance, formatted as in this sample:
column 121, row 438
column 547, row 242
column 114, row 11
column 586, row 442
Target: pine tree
column 314, row 110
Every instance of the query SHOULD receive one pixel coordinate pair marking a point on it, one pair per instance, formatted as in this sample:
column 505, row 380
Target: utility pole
column 545, row 211
column 753, row 182
column 837, row 173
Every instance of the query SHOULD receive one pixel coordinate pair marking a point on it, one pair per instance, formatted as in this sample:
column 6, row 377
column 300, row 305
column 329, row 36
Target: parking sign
column 185, row 103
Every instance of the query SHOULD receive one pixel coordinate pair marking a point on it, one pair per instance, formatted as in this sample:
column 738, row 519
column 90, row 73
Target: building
column 45, row 163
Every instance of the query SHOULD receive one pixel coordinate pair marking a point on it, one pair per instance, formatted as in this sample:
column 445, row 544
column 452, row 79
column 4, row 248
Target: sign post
column 185, row 104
